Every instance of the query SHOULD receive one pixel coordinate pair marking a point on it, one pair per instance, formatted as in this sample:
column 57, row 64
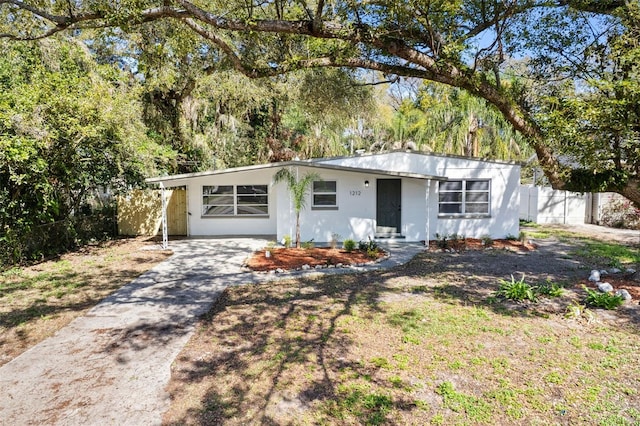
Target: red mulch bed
column 294, row 258
column 476, row 244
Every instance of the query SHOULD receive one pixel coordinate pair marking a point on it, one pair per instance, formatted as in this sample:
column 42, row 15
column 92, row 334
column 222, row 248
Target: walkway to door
column 111, row 366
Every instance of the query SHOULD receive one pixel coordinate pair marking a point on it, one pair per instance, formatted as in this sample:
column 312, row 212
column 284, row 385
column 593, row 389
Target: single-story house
column 409, row 196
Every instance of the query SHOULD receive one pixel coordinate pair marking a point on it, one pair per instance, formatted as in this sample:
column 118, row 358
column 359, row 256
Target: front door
column 388, row 208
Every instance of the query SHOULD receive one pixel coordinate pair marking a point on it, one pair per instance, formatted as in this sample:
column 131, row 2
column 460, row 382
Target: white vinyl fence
column 546, row 205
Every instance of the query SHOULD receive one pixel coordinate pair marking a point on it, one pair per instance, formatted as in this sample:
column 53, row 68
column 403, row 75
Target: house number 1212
column 355, row 193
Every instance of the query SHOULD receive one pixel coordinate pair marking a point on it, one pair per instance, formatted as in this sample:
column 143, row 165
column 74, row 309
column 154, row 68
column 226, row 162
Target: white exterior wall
column 505, row 181
column 199, row 225
column 355, row 217
column 356, row 214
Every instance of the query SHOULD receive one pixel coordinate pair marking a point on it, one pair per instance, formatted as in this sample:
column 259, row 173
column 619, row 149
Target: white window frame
column 463, row 201
column 315, row 206
column 236, row 204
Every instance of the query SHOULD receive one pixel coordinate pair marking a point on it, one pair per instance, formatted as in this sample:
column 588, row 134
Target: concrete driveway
column 111, row 366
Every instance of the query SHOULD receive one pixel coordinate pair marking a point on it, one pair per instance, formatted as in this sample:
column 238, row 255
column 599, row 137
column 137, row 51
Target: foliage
column 517, row 290
column 349, row 245
column 550, row 288
column 298, row 189
column 441, row 240
column 563, row 74
column 335, row 238
column 308, row 244
column 598, row 299
column 368, row 245
column 452, row 121
column 286, row 241
column 68, row 128
column 577, row 311
column 487, row 241
column 620, row 214
column 522, row 236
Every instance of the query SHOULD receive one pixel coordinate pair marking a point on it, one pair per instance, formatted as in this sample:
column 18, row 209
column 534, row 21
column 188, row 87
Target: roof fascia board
column 310, row 164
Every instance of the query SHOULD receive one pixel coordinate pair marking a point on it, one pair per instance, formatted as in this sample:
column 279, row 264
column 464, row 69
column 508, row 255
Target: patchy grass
column 37, row 301
column 603, row 253
column 422, row 344
column 608, row 254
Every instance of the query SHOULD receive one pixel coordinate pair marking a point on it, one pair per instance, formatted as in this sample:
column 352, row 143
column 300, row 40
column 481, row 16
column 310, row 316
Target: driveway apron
column 111, row 366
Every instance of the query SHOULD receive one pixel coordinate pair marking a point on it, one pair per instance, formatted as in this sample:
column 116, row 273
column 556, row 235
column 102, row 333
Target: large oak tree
column 576, row 100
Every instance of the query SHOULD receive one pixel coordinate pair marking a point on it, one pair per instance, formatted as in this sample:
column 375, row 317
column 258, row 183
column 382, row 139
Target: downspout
column 165, row 238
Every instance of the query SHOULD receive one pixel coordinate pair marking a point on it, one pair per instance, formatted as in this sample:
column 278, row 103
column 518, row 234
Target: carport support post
column 165, row 238
column 428, row 224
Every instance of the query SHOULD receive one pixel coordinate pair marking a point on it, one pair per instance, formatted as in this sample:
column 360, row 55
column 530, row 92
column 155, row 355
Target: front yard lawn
column 38, row 300
column 426, row 343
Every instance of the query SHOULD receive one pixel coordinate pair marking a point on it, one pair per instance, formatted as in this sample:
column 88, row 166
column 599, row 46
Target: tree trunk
column 298, row 229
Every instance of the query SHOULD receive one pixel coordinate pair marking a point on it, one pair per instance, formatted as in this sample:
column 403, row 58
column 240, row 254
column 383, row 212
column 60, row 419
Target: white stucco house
column 409, row 196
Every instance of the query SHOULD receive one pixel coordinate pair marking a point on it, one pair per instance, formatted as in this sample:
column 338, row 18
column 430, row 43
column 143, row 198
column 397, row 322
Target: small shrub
column 596, row 299
column 456, row 237
column 517, row 290
column 551, row 289
column 621, row 214
column 577, row 311
column 372, row 253
column 487, row 241
column 511, row 237
column 441, row 240
column 522, row 236
column 286, row 241
column 349, row 245
column 308, row 244
column 366, row 246
column 458, row 241
column 334, row 240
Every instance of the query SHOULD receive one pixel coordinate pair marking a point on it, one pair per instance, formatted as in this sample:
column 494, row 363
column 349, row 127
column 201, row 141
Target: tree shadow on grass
column 269, row 336
column 274, row 350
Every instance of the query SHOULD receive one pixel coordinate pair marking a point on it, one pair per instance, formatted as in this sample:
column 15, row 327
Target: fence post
column 165, row 238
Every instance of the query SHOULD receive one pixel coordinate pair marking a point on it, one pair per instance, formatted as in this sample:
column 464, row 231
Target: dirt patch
column 38, row 300
column 296, row 258
column 478, row 244
column 427, row 342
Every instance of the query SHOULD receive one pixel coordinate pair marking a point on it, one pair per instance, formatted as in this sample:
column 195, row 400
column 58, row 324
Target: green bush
column 596, row 299
column 349, row 245
column 372, row 253
column 308, row 244
column 286, row 241
column 517, row 290
column 550, row 289
column 441, row 240
column 367, row 246
column 487, row 241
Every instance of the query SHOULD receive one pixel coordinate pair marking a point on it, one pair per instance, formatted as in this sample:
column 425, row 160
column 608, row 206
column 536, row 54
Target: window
column 324, row 194
column 464, row 197
column 217, row 200
column 240, row 200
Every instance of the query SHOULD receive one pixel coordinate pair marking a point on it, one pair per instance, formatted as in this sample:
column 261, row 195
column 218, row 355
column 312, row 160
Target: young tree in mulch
column 298, row 188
